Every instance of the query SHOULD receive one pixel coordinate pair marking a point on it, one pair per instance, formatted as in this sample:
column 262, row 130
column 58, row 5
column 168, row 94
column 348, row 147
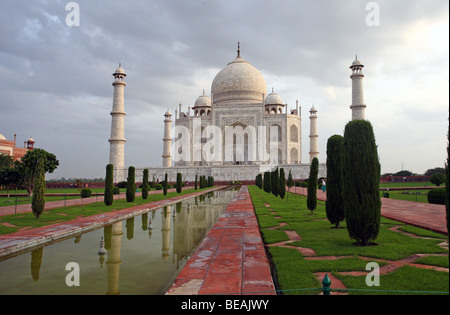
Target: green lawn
column 409, row 195
column 294, row 272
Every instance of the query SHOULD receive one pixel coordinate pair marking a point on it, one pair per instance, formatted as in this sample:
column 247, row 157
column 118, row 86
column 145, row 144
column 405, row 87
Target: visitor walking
column 324, row 186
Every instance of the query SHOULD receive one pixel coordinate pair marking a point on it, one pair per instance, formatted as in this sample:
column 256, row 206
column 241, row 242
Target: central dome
column 239, row 82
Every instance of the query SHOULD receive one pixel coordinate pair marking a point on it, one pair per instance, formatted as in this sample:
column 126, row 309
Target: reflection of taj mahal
column 234, row 134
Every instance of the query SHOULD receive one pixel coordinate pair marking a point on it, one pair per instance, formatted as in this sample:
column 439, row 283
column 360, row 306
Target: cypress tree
column 274, row 184
column 145, row 185
column 447, row 198
column 282, row 184
column 361, row 182
column 335, row 203
column 267, row 182
column 311, row 200
column 38, row 199
column 196, row 182
column 165, row 185
column 179, row 182
column 131, row 186
column 290, row 181
column 109, row 185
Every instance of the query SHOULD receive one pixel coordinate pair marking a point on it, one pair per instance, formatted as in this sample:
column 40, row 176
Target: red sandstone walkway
column 424, row 215
column 231, row 259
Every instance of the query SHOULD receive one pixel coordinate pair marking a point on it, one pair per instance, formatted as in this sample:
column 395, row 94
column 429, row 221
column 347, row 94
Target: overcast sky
column 55, row 79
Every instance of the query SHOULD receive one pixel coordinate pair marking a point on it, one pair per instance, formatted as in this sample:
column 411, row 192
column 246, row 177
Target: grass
column 409, row 195
column 15, row 222
column 294, row 272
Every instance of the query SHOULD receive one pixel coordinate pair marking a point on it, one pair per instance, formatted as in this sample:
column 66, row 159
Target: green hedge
column 437, row 196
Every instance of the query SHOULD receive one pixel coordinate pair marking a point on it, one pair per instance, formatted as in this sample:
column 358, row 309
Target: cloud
column 56, row 80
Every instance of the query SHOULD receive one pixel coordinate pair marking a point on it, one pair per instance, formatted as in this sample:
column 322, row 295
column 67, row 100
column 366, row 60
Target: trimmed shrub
column 179, row 182
column 38, row 199
column 282, row 184
column 335, row 202
column 437, row 179
column 165, row 185
column 158, row 187
column 145, row 184
column 274, row 184
column 109, row 193
column 267, row 182
column 131, row 186
column 361, row 182
column 116, row 191
column 311, row 200
column 85, row 193
column 436, row 196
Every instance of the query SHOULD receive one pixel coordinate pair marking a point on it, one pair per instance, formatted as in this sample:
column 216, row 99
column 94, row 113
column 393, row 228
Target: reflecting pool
column 142, row 255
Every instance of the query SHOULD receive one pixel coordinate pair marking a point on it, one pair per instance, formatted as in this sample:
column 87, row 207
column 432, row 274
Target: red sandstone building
column 9, row 147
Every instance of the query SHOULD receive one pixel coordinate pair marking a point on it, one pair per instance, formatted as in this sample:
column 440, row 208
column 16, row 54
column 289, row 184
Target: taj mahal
column 236, row 133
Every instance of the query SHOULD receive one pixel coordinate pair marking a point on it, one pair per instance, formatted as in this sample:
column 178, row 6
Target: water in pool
column 143, row 255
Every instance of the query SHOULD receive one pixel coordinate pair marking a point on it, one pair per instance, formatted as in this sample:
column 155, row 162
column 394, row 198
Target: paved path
column 424, row 215
column 7, row 210
column 25, row 239
column 231, row 259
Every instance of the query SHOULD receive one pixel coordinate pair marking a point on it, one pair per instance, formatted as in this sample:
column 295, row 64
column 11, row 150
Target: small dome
column 168, row 113
column 273, row 99
column 119, row 70
column 30, row 140
column 357, row 62
column 203, row 101
column 2, row 137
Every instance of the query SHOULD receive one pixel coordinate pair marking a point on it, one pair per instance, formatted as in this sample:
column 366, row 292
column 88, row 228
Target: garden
column 304, row 246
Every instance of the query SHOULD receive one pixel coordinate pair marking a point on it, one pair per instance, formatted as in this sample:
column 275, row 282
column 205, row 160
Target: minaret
column 117, row 140
column 313, row 136
column 358, row 107
column 167, row 157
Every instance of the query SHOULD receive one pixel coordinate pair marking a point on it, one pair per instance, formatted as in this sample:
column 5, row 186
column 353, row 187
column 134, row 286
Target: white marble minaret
column 313, row 136
column 167, row 156
column 358, row 107
column 117, row 139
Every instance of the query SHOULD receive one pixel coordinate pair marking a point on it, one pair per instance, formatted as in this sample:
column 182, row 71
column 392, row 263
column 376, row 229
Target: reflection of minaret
column 114, row 261
column 165, row 231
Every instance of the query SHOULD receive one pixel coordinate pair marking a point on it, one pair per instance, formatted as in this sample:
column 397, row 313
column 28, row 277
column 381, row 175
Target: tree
column 335, row 203
column 179, row 182
column 165, row 185
column 9, row 176
column 267, row 182
column 431, row 171
column 28, row 164
column 109, row 185
column 38, row 199
column 259, row 181
column 290, row 181
column 131, row 186
column 447, row 195
column 196, row 181
column 145, row 185
column 274, row 184
column 437, row 179
column 361, row 182
column 282, row 184
column 311, row 199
